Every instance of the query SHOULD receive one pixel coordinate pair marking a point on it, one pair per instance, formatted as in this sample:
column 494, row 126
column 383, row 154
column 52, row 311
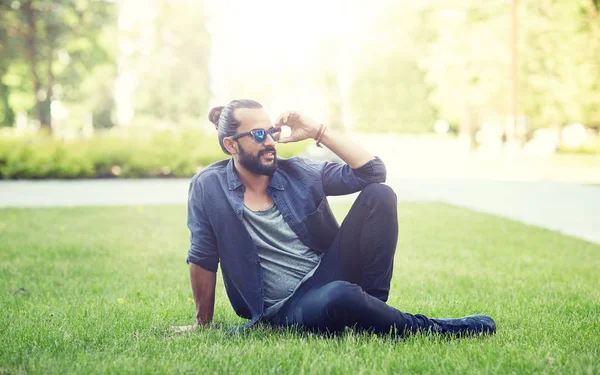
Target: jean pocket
column 322, row 227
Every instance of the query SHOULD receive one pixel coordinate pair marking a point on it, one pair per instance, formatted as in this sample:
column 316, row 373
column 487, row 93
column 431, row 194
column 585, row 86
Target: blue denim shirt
column 298, row 188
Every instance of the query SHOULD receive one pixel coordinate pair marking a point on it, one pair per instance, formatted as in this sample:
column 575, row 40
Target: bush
column 127, row 152
column 579, row 150
column 38, row 159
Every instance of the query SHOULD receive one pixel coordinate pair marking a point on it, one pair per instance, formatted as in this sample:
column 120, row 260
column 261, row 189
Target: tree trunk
column 9, row 114
column 50, row 83
column 32, row 52
column 51, row 31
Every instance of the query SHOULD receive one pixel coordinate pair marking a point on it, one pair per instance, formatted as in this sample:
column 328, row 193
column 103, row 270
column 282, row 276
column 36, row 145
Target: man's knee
column 380, row 194
column 332, row 307
column 341, row 293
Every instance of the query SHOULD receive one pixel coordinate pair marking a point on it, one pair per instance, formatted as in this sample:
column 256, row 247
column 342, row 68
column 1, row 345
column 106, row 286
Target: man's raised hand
column 302, row 127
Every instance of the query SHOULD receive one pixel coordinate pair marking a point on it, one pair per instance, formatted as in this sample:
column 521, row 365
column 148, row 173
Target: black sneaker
column 467, row 326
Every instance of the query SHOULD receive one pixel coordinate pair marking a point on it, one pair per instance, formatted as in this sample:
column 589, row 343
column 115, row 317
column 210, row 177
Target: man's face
column 257, row 158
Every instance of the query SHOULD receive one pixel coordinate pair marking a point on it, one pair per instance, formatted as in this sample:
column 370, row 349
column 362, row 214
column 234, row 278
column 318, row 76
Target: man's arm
column 351, row 153
column 304, row 127
column 203, row 258
column 360, row 168
column 203, row 287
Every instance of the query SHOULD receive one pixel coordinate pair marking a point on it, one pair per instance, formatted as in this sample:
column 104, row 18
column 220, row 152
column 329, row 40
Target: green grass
column 94, row 290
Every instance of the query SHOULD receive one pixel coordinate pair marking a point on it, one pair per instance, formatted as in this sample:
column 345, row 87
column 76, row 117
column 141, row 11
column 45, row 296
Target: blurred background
column 501, row 89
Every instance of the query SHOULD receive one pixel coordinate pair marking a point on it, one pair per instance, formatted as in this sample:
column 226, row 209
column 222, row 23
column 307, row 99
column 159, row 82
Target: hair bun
column 214, row 116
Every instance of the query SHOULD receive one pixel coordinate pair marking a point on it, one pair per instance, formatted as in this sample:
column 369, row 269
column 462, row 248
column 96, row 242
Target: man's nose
column 270, row 141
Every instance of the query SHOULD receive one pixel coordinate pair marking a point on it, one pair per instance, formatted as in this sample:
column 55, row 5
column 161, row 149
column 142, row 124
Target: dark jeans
column 351, row 285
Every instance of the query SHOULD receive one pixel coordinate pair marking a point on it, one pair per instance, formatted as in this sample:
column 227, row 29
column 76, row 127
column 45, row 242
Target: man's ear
column 230, row 145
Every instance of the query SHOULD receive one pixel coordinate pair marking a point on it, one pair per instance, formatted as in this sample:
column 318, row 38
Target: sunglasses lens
column 259, row 136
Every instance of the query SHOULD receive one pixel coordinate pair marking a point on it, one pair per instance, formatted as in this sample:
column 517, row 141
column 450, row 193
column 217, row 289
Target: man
column 285, row 260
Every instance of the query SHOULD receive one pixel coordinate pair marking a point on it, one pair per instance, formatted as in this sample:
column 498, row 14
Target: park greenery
column 95, row 290
column 61, row 62
column 67, row 51
column 417, row 63
column 452, row 60
column 125, row 152
column 56, row 50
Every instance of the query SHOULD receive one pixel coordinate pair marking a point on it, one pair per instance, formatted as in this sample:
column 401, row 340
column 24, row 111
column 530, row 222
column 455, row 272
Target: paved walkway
column 569, row 208
column 61, row 193
column 572, row 209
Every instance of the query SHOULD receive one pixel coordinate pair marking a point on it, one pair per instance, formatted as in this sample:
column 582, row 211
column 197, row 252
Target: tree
column 7, row 53
column 172, row 71
column 58, row 42
column 560, row 65
column 390, row 94
column 390, row 91
column 468, row 64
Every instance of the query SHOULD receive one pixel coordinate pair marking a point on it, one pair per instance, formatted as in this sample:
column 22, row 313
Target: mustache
column 267, row 150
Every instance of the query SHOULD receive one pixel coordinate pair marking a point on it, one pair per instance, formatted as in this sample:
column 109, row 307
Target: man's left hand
column 302, row 126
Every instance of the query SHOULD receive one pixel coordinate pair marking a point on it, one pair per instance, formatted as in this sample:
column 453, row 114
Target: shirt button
column 238, row 211
column 240, row 195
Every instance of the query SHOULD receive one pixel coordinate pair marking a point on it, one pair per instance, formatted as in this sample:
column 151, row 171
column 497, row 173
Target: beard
column 253, row 164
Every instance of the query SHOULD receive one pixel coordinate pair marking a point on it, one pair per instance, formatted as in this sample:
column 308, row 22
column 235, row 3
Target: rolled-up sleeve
column 340, row 179
column 203, row 245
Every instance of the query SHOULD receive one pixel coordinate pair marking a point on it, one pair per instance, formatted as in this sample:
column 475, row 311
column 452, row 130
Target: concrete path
column 65, row 193
column 61, row 193
column 569, row 208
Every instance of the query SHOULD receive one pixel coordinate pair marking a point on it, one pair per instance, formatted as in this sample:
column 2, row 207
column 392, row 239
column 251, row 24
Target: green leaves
column 453, row 60
column 391, row 95
column 172, row 72
column 53, row 48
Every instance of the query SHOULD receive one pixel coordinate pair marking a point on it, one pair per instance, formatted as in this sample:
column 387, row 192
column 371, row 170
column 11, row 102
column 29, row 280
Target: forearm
column 351, row 153
column 303, row 127
column 203, row 289
column 204, row 309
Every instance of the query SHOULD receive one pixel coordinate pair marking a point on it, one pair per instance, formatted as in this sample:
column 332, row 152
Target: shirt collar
column 234, row 182
column 276, row 180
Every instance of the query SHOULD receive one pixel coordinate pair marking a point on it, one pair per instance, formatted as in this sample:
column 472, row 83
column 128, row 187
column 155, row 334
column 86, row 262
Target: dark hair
column 225, row 121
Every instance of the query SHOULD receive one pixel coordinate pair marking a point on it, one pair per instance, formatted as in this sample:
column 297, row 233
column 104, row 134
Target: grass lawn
column 94, row 290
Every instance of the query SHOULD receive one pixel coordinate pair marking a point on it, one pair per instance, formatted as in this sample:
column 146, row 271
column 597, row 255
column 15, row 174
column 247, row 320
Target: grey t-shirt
column 286, row 262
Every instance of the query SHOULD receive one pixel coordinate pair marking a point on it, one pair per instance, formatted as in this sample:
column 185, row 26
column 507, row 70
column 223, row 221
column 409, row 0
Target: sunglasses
column 260, row 135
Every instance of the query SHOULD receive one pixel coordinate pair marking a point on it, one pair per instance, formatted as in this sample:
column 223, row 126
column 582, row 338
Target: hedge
column 128, row 153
